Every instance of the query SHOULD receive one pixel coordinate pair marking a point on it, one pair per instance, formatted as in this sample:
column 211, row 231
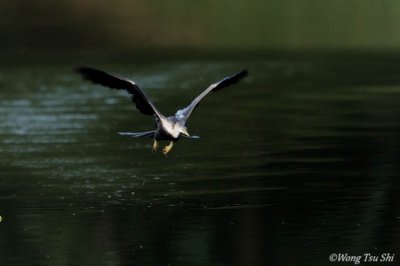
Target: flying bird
column 168, row 128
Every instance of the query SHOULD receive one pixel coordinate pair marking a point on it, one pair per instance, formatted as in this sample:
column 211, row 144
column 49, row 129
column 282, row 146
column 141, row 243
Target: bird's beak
column 184, row 132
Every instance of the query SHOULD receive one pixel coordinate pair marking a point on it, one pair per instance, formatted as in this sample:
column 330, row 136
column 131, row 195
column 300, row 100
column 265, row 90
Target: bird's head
column 183, row 130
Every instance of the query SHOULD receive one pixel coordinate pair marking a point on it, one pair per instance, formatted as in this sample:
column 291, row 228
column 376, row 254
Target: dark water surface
column 298, row 161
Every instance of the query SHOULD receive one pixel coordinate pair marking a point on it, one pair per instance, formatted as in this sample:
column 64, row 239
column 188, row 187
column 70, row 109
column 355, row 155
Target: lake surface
column 298, row 161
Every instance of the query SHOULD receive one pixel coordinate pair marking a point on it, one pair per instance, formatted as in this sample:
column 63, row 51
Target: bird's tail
column 147, row 134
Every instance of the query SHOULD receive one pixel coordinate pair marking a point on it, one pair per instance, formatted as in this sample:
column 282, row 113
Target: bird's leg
column 155, row 145
column 167, row 149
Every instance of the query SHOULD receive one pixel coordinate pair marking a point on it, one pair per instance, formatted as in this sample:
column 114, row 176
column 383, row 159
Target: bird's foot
column 155, row 146
column 168, row 148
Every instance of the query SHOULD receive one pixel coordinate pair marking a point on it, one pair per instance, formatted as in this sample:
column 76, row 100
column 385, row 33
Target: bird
column 168, row 128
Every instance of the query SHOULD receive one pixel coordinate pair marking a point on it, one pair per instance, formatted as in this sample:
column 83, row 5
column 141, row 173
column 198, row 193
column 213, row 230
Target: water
column 298, row 161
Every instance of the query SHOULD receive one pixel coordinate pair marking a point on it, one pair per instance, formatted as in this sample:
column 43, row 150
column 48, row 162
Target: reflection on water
column 298, row 161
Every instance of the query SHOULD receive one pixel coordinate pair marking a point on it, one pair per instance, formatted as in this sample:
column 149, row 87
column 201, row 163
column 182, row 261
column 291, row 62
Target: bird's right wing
column 114, row 81
column 183, row 114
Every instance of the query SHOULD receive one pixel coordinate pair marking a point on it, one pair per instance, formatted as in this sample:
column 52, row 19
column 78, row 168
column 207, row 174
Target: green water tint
column 299, row 159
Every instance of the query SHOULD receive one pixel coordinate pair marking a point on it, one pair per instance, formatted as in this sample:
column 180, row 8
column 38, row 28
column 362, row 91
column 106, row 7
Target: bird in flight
column 168, row 128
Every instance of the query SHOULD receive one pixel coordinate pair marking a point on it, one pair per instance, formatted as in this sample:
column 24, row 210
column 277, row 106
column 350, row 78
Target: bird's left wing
column 114, row 81
column 183, row 114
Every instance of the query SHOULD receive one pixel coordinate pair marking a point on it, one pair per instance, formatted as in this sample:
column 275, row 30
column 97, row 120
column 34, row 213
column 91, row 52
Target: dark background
column 55, row 30
column 296, row 162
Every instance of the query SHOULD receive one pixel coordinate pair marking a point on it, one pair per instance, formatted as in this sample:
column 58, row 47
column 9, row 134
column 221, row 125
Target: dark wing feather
column 228, row 81
column 184, row 113
column 114, row 81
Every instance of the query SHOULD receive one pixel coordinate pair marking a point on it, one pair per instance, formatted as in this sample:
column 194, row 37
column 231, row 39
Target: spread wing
column 114, row 81
column 183, row 114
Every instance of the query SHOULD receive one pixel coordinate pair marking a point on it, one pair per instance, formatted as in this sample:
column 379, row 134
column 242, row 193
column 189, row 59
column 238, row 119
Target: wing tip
column 84, row 70
column 80, row 67
column 242, row 74
column 230, row 80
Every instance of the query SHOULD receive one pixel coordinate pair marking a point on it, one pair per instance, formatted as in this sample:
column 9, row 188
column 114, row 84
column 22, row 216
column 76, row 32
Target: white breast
column 170, row 128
